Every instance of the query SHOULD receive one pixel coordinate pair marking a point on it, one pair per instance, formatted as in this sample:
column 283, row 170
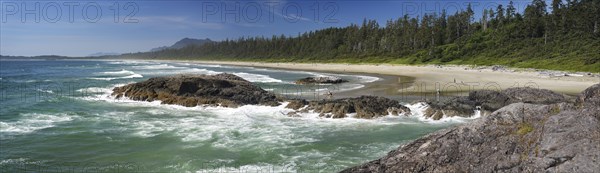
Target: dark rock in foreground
column 366, row 107
column 520, row 137
column 488, row 101
column 320, row 80
column 191, row 90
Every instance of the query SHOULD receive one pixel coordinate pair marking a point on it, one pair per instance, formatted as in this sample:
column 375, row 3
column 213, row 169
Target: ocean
column 58, row 116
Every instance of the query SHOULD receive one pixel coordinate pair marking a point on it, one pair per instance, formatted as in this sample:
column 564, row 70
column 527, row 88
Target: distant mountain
column 184, row 43
column 104, row 54
column 158, row 49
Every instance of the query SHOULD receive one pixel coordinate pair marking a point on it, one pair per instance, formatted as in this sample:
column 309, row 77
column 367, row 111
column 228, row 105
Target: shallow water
column 58, row 116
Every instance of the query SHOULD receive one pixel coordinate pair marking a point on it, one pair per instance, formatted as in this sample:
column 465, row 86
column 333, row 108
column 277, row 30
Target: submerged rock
column 320, row 80
column 520, row 137
column 191, row 90
column 366, row 107
column 488, row 101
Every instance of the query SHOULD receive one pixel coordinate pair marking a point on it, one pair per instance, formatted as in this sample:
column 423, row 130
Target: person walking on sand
column 329, row 94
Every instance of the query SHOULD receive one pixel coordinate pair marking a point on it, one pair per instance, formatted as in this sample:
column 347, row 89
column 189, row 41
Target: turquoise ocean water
column 58, row 116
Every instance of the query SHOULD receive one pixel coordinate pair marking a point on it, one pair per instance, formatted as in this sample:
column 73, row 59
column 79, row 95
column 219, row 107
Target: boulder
column 520, row 137
column 458, row 106
column 488, row 101
column 534, row 96
column 589, row 101
column 191, row 90
column 366, row 107
column 320, row 80
column 589, row 98
column 296, row 104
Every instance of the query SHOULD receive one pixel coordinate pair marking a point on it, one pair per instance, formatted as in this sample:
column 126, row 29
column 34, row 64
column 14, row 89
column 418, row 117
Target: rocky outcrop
column 589, row 98
column 320, row 80
column 191, row 90
column 366, row 107
column 296, row 104
column 520, row 137
column 232, row 91
column 488, row 101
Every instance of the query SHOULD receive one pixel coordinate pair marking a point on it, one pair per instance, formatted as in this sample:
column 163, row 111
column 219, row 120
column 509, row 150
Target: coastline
column 449, row 79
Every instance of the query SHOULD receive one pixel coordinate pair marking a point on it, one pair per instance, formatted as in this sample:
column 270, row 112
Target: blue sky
column 76, row 28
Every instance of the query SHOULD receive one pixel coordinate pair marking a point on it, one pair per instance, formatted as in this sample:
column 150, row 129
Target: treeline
column 565, row 38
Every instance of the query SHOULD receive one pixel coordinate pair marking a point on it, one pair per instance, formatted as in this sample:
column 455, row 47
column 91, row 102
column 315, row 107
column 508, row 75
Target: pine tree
column 510, row 11
column 499, row 16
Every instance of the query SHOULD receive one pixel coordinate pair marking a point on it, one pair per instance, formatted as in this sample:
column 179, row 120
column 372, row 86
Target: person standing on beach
column 329, row 94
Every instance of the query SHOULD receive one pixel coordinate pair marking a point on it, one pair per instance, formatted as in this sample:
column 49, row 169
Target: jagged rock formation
column 488, row 101
column 365, row 107
column 191, row 90
column 520, row 137
column 320, row 80
column 232, row 91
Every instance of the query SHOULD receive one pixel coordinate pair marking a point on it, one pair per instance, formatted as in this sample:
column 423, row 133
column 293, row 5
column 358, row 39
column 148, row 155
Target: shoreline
column 451, row 80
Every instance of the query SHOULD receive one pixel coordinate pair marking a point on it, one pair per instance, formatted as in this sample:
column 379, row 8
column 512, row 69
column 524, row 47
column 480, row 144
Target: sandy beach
column 448, row 79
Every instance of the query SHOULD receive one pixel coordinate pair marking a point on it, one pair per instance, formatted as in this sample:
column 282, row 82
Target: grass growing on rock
column 555, row 110
column 524, row 128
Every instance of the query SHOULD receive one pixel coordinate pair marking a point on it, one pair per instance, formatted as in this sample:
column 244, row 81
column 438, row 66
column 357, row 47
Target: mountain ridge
column 185, row 42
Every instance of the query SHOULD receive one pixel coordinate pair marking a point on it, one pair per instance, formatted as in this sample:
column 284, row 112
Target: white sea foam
column 94, row 90
column 208, row 65
column 45, row 91
column 14, row 162
column 418, row 110
column 196, row 71
column 250, row 128
column 113, row 78
column 243, row 127
column 133, row 76
column 122, row 72
column 257, row 78
column 367, row 79
column 130, row 62
column 177, row 70
column 31, row 122
column 157, row 67
column 261, row 167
